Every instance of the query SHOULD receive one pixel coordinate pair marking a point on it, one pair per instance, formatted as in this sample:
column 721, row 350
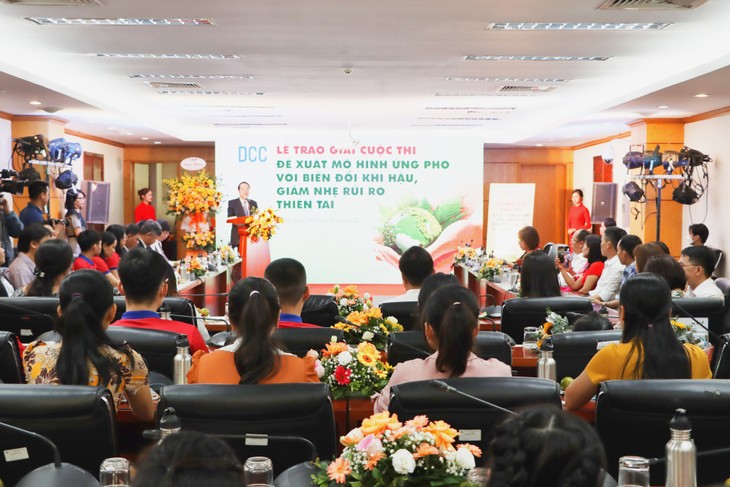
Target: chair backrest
column 300, row 409
column 320, row 309
column 11, row 365
column 632, row 418
column 406, row 312
column 474, row 419
column 573, row 351
column 724, row 284
column 182, row 308
column 300, row 340
column 79, row 420
column 28, row 317
column 408, row 345
column 711, row 308
column 157, row 347
column 721, row 358
column 517, row 313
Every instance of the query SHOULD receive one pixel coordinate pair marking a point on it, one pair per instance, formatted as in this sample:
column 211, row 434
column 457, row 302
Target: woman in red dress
column 144, row 210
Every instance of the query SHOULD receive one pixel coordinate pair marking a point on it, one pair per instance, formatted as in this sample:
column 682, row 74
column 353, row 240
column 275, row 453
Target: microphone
column 205, row 318
column 690, row 316
column 39, row 437
column 706, row 453
column 446, row 387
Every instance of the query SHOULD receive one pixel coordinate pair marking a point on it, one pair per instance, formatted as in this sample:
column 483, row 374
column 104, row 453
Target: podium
column 242, row 227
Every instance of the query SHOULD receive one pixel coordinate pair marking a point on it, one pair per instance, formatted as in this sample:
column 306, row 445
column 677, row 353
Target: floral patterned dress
column 40, row 358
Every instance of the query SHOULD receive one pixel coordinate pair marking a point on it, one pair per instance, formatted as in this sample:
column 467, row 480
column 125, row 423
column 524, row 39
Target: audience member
column 21, row 270
column 290, row 280
column 90, row 257
column 698, row 264
column 578, row 263
column 545, row 447
column 451, row 325
column 586, row 281
column 75, row 223
column 626, row 247
column 610, row 281
column 53, row 261
column 6, row 289
column 698, row 234
column 643, row 252
column 415, row 265
column 539, row 278
column 190, row 459
column 144, row 210
column 649, row 348
column 143, row 276
column 666, row 267
column 132, row 232
column 109, row 252
column 592, row 321
column 86, row 355
column 663, row 246
column 121, row 236
column 607, row 223
column 149, row 233
column 165, row 228
column 254, row 358
column 172, row 292
column 578, row 216
column 529, row 241
column 38, row 199
column 10, row 226
column 431, row 284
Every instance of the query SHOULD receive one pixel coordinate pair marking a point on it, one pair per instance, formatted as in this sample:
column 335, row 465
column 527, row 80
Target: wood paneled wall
column 551, row 169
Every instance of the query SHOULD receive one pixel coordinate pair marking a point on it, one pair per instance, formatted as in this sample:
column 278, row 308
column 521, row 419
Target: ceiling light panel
column 507, row 79
column 535, row 58
column 121, row 22
column 578, row 26
column 193, row 76
column 173, row 85
column 208, row 92
column 137, row 55
column 484, row 94
column 476, row 109
column 649, row 4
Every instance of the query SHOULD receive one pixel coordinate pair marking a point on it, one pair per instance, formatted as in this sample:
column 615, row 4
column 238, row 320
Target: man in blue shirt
column 38, row 194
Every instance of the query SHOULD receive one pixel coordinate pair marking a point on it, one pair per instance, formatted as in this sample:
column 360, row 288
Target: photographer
column 33, row 212
column 10, row 226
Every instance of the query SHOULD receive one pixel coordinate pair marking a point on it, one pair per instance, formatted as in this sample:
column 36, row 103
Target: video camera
column 9, row 182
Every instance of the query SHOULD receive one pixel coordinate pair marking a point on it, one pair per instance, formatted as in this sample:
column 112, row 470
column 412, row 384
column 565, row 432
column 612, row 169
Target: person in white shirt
column 698, row 263
column 415, row 265
column 21, row 270
column 157, row 246
column 610, row 281
column 578, row 263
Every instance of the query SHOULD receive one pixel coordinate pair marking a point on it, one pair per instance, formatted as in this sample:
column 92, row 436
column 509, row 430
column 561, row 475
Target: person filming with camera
column 10, row 226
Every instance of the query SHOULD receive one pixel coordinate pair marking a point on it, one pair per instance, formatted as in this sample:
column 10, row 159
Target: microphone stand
column 446, row 387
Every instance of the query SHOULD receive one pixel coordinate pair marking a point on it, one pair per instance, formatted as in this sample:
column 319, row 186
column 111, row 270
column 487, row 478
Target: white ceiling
column 399, row 53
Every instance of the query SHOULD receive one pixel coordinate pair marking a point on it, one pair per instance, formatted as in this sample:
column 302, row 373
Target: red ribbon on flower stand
column 240, row 223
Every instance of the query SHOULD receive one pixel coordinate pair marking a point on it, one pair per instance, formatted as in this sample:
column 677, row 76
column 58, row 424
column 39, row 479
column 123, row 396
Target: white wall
column 711, row 137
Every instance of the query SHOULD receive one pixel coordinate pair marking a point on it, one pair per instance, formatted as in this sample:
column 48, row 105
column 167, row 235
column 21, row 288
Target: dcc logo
column 252, row 153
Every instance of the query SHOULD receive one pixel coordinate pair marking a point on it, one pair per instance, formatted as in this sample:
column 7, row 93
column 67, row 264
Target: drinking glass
column 478, row 475
column 529, row 338
column 258, row 471
column 513, row 277
column 114, row 472
column 633, row 472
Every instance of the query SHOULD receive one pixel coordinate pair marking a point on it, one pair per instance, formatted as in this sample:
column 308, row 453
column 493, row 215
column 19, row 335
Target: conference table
column 210, row 291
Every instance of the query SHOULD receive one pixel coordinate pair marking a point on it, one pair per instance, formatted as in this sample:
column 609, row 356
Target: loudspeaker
column 604, row 201
column 97, row 201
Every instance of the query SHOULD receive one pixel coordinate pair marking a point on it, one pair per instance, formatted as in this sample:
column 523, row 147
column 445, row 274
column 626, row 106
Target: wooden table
column 211, row 290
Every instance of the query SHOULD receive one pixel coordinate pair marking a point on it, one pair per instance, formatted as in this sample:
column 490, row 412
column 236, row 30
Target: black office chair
column 408, row 345
column 711, row 308
column 573, row 351
column 724, row 284
column 79, row 420
column 320, row 309
column 300, row 340
column 517, row 313
column 289, row 410
column 157, row 347
column 632, row 418
column 28, row 317
column 721, row 358
column 11, row 365
column 473, row 419
column 406, row 312
column 182, row 309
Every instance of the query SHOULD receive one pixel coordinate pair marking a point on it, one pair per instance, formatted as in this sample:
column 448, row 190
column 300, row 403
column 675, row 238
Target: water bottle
column 546, row 366
column 181, row 361
column 681, row 453
column 169, row 423
column 165, row 313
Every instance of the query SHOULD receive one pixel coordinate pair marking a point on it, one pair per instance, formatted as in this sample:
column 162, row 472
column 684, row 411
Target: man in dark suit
column 241, row 206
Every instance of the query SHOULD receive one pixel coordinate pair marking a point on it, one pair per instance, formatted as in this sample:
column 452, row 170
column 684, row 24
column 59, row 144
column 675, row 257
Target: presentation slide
column 351, row 208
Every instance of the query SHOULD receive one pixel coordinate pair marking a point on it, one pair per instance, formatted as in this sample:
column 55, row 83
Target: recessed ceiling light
column 662, row 107
column 157, row 142
column 137, row 55
column 192, row 76
column 701, row 95
column 534, row 58
column 36, row 102
column 207, row 92
column 119, row 21
column 506, row 79
column 145, row 138
column 538, row 145
column 111, row 128
column 129, row 133
column 577, row 26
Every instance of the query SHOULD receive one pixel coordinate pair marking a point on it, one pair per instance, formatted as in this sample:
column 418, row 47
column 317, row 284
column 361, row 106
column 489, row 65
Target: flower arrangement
column 191, row 194
column 196, row 267
column 491, row 268
column 385, row 452
column 346, row 368
column 369, row 326
column 262, row 225
column 227, row 254
column 202, row 240
column 349, row 300
column 554, row 323
column 466, row 255
column 684, row 333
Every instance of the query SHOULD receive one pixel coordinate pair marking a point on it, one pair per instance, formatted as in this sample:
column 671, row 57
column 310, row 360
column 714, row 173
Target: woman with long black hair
column 255, row 357
column 649, row 348
column 539, row 278
column 588, row 278
column 53, row 261
column 85, row 355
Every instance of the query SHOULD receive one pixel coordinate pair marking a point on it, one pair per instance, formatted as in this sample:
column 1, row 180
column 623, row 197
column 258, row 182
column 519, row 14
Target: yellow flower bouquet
column 349, row 300
column 347, row 368
column 262, row 225
column 369, row 326
column 196, row 267
column 191, row 194
column 203, row 240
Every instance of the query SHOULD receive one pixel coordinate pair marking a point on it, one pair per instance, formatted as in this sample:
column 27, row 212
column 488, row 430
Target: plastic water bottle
column 681, row 453
column 182, row 361
column 169, row 423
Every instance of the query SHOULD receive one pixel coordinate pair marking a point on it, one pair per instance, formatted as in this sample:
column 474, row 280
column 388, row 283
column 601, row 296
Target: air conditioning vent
column 173, row 85
column 649, row 4
column 53, row 3
column 533, row 89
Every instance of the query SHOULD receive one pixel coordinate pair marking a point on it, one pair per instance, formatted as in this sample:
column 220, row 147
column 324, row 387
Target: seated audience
column 144, row 283
column 586, row 280
column 254, row 358
column 666, row 267
column 545, row 447
column 132, row 232
column 149, row 233
column 450, row 327
column 86, row 355
column 429, row 286
column 643, row 252
column 109, row 252
column 290, row 280
column 663, row 246
column 415, row 265
column 89, row 242
column 189, row 459
column 6, row 289
column 593, row 321
column 698, row 234
column 165, row 227
column 121, row 236
column 649, row 348
column 21, row 270
column 172, row 292
column 539, row 278
column 53, row 261
column 578, row 263
column 609, row 283
column 528, row 240
column 626, row 247
column 698, row 264
column 607, row 223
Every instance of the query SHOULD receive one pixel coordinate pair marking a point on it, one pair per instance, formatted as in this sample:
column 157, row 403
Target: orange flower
column 443, row 434
column 334, row 348
column 418, row 422
column 351, row 290
column 375, row 313
column 546, row 328
column 368, row 348
column 377, row 424
column 475, row 450
column 358, row 318
column 424, row 450
column 373, row 460
column 339, row 470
